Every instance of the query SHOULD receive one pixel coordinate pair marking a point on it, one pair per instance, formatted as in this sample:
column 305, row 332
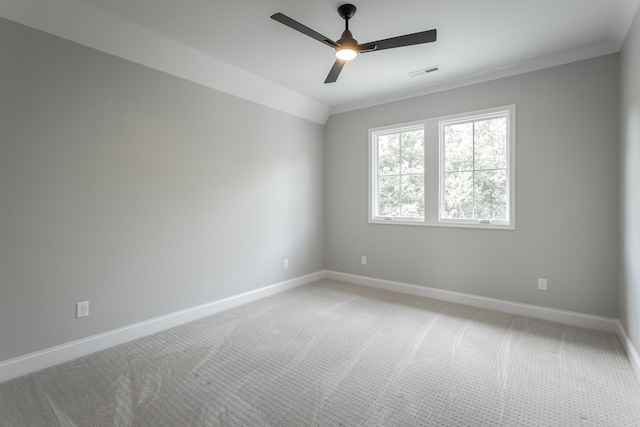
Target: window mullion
column 400, row 174
column 473, row 168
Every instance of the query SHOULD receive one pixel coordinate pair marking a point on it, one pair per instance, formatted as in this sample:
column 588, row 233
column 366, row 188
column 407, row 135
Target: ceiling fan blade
column 284, row 19
column 335, row 71
column 400, row 41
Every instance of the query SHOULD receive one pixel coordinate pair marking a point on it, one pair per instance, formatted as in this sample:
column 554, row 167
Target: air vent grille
column 424, row 71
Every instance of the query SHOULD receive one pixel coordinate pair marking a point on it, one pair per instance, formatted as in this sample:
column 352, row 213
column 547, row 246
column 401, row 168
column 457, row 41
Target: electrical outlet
column 542, row 284
column 82, row 309
column 363, row 260
column 286, row 263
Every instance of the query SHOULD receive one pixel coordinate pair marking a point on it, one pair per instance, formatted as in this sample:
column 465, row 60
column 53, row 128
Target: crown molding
column 85, row 24
column 539, row 63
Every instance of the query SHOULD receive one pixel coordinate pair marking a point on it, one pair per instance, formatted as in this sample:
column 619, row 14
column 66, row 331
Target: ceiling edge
column 552, row 60
column 627, row 10
column 87, row 25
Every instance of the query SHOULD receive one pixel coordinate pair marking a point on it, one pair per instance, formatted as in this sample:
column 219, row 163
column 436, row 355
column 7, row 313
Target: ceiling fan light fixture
column 346, row 54
column 347, row 47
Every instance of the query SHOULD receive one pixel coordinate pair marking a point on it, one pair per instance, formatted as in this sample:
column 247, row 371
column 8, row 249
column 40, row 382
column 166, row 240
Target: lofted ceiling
column 234, row 46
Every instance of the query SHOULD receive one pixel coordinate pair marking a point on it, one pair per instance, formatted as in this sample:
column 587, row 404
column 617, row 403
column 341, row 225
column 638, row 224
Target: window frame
column 373, row 174
column 433, row 189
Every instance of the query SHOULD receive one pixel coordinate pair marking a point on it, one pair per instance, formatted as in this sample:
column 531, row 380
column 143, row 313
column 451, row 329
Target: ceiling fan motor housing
column 347, row 40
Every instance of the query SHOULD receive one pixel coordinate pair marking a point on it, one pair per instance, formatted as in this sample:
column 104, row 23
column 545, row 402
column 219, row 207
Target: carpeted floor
column 334, row 354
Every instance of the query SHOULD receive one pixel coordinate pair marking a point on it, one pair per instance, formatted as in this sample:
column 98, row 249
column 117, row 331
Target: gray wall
column 146, row 194
column 630, row 180
column 140, row 192
column 566, row 195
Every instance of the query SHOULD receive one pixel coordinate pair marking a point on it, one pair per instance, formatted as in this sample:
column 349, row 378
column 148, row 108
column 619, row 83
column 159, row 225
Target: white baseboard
column 560, row 316
column 544, row 313
column 29, row 363
column 33, row 362
column 634, row 358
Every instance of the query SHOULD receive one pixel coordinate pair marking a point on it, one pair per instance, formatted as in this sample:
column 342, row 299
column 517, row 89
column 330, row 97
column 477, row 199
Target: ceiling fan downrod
column 348, row 46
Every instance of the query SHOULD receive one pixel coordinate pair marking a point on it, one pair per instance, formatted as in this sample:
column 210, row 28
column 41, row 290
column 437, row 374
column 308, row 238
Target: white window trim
column 433, row 187
column 373, row 153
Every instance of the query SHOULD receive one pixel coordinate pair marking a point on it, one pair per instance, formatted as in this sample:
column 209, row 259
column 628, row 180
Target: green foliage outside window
column 475, row 169
column 401, row 174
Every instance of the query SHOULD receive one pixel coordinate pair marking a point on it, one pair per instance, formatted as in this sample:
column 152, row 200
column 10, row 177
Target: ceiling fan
column 347, row 47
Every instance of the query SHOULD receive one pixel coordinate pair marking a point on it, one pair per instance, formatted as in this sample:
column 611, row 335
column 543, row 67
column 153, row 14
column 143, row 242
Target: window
column 400, row 173
column 474, row 169
column 453, row 171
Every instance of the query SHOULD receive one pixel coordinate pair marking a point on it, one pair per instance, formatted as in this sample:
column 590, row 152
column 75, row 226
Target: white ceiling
column 234, row 46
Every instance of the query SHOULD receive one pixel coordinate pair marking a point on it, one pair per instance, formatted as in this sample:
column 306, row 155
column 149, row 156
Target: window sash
column 474, row 218
column 376, row 176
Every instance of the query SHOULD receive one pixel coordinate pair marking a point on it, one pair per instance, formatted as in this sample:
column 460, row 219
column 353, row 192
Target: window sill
column 451, row 224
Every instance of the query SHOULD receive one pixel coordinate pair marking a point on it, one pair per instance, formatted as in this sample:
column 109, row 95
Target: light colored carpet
column 334, row 354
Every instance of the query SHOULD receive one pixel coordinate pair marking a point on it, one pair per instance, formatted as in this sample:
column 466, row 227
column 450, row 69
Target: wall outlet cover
column 82, row 309
column 542, row 284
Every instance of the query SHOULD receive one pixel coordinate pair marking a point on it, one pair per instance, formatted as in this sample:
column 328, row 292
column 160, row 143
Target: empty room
column 319, row 213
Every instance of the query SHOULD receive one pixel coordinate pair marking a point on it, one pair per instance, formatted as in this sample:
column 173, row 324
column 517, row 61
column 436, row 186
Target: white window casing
column 430, row 211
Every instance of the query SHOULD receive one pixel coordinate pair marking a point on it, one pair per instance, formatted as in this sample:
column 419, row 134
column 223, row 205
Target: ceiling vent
column 424, row 71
